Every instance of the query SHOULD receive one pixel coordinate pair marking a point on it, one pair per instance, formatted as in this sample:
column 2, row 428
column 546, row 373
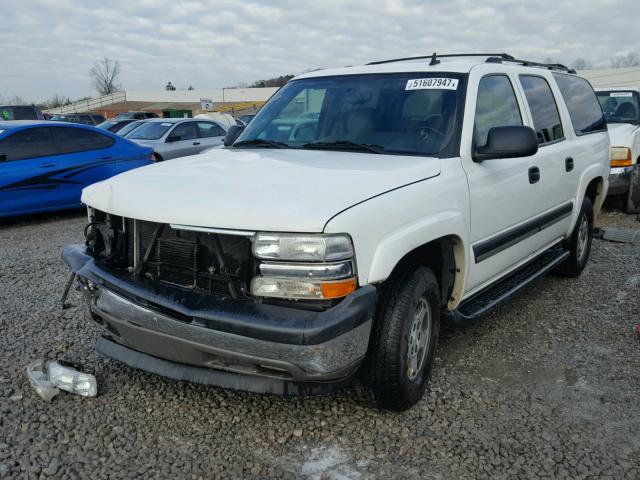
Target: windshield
column 18, row 113
column 128, row 128
column 125, row 115
column 62, row 118
column 408, row 113
column 150, row 131
column 620, row 106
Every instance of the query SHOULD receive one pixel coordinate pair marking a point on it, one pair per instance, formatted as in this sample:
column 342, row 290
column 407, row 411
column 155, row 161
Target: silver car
column 178, row 137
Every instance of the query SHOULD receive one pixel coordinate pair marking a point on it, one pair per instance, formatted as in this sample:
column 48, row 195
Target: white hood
column 256, row 189
column 621, row 134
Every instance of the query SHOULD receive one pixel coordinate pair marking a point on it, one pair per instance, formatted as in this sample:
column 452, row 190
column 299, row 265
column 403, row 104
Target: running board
column 486, row 300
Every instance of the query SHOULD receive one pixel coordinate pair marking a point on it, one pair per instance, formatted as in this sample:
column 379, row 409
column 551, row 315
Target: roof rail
column 491, row 58
column 435, row 56
column 529, row 63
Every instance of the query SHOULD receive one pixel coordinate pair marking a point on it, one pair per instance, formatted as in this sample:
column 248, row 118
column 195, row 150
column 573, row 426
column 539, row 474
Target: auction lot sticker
column 432, row 84
column 621, row 94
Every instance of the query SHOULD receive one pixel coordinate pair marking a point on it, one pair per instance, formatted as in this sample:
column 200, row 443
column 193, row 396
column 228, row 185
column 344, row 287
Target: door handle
column 104, row 157
column 568, row 164
column 47, row 165
column 534, row 175
column 196, row 143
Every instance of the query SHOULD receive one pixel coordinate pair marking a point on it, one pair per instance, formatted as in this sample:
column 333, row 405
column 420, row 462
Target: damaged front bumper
column 236, row 344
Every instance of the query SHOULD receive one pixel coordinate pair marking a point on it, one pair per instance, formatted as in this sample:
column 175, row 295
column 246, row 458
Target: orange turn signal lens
column 621, row 157
column 339, row 288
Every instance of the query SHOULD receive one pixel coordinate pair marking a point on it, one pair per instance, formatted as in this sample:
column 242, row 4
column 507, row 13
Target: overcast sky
column 48, row 46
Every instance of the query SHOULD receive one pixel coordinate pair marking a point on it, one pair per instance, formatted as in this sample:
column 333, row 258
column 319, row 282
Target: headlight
column 621, row 157
column 294, row 247
column 314, row 267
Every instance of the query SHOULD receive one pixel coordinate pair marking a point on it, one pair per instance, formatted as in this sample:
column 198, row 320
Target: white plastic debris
column 49, row 377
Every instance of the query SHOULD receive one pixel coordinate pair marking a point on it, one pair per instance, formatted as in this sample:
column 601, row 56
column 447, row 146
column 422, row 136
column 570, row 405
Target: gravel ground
column 546, row 386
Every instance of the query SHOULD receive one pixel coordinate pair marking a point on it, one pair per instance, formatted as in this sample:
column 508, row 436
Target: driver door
column 181, row 141
column 502, row 199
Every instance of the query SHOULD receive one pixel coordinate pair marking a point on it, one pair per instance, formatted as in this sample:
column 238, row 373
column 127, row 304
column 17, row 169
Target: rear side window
column 496, row 107
column 73, row 140
column 208, row 129
column 546, row 119
column 18, row 113
column 584, row 109
column 28, row 143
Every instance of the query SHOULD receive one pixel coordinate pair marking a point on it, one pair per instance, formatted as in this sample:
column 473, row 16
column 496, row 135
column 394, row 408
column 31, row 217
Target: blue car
column 45, row 165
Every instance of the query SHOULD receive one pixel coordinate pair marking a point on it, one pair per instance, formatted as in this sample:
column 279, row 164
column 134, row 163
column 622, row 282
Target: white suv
column 621, row 107
column 357, row 209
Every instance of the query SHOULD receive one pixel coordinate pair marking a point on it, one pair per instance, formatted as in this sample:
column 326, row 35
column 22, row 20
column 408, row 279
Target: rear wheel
column 632, row 199
column 403, row 343
column 579, row 244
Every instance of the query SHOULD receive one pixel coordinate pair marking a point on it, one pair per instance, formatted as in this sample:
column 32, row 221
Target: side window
column 496, row 107
column 546, row 119
column 584, row 110
column 28, row 143
column 186, row 131
column 208, row 129
column 72, row 140
column 86, row 119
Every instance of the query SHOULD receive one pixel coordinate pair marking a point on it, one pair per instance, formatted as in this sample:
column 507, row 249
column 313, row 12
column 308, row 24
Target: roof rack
column 434, row 57
column 491, row 58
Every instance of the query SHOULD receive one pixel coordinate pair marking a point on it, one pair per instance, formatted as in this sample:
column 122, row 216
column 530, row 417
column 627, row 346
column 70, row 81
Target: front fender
column 386, row 228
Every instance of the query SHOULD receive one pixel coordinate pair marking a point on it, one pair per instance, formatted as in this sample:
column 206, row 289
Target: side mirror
column 173, row 138
column 3, row 157
column 507, row 142
column 232, row 134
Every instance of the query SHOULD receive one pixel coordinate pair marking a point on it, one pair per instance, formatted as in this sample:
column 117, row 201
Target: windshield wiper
column 346, row 145
column 260, row 142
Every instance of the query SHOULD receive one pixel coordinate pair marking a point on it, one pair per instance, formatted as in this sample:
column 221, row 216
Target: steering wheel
column 426, row 132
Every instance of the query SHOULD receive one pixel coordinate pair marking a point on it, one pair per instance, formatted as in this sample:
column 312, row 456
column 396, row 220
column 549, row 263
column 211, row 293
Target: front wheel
column 403, row 342
column 579, row 244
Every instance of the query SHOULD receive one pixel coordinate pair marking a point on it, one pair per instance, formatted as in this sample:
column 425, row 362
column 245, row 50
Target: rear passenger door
column 210, row 134
column 29, row 178
column 553, row 165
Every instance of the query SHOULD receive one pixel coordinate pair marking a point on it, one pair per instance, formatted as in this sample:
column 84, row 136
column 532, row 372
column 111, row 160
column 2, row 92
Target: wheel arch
column 446, row 257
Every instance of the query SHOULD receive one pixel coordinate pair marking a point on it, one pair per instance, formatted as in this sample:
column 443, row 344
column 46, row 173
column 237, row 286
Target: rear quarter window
column 582, row 103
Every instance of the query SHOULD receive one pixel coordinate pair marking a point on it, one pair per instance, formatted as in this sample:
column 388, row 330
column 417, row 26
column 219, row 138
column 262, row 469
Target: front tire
column 579, row 244
column 403, row 342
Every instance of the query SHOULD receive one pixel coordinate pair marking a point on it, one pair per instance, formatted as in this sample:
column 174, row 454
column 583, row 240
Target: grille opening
column 213, row 263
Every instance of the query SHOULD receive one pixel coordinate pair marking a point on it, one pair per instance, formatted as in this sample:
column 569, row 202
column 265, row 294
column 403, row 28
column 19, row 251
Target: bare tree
column 104, row 75
column 56, row 101
column 12, row 100
column 631, row 59
column 580, row 64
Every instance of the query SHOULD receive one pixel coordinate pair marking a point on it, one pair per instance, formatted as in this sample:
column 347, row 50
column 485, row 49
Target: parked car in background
column 178, row 137
column 621, row 106
column 45, row 165
column 130, row 127
column 20, row 112
column 115, row 125
column 84, row 118
column 137, row 115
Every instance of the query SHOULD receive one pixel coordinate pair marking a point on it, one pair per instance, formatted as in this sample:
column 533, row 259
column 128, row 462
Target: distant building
column 612, row 77
column 236, row 101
